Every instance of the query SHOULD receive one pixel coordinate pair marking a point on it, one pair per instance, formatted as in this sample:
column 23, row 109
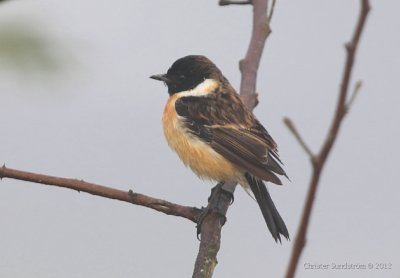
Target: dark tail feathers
column 271, row 215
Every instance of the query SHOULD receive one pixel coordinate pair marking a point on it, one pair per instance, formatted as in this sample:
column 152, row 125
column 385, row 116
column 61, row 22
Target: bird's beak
column 160, row 77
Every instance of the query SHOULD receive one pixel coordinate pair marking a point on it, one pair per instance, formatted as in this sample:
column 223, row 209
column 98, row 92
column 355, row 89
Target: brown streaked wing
column 246, row 151
column 221, row 119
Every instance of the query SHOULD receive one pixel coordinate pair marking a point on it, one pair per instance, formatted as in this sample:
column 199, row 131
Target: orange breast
column 196, row 154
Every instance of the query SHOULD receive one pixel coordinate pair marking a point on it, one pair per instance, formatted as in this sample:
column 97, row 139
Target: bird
column 213, row 132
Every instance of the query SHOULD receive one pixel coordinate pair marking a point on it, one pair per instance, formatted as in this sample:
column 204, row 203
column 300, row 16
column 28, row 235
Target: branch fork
column 318, row 161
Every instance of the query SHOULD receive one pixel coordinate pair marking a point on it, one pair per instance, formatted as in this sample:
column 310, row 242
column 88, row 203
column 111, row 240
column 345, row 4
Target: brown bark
column 318, row 161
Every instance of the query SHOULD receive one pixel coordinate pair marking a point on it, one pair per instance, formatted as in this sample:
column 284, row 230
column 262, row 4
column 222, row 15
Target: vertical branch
column 211, row 233
column 249, row 65
column 320, row 159
column 219, row 203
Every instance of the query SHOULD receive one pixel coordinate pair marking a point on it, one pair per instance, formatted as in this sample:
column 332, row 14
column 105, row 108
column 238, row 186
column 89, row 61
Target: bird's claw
column 205, row 211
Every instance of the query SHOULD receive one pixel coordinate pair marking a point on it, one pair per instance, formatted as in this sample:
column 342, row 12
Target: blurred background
column 76, row 101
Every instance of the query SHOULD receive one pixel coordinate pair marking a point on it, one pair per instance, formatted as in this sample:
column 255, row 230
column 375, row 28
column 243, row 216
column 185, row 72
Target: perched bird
column 206, row 123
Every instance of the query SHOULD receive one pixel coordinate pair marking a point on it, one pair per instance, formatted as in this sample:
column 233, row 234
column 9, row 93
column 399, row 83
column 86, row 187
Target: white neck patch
column 204, row 88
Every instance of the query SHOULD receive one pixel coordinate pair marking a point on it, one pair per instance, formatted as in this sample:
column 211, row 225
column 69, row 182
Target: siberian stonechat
column 206, row 123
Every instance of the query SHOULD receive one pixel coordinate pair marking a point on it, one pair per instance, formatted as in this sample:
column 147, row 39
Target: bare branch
column 250, row 64
column 169, row 208
column 288, row 122
column 351, row 49
column 219, row 204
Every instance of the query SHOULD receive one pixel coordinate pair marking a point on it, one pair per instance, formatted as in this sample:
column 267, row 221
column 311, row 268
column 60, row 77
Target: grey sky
column 100, row 120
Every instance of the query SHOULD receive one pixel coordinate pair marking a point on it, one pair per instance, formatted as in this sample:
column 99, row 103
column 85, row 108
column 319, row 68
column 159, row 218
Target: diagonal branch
column 166, row 207
column 212, row 224
column 341, row 109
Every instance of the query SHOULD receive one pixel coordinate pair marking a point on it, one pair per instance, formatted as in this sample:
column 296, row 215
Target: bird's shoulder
column 220, row 106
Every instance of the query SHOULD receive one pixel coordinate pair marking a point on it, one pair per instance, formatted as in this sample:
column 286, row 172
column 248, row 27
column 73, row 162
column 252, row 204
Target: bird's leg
column 218, row 187
column 217, row 192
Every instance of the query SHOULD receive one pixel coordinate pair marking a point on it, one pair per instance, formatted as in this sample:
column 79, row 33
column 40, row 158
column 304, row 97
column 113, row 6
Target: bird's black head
column 188, row 72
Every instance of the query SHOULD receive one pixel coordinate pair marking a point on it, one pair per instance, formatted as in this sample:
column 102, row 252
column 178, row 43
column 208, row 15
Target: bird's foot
column 205, row 211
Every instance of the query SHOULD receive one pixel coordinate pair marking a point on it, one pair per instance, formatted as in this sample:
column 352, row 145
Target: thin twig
column 271, row 11
column 211, row 225
column 351, row 49
column 166, row 207
column 226, row 2
column 290, row 125
column 353, row 96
